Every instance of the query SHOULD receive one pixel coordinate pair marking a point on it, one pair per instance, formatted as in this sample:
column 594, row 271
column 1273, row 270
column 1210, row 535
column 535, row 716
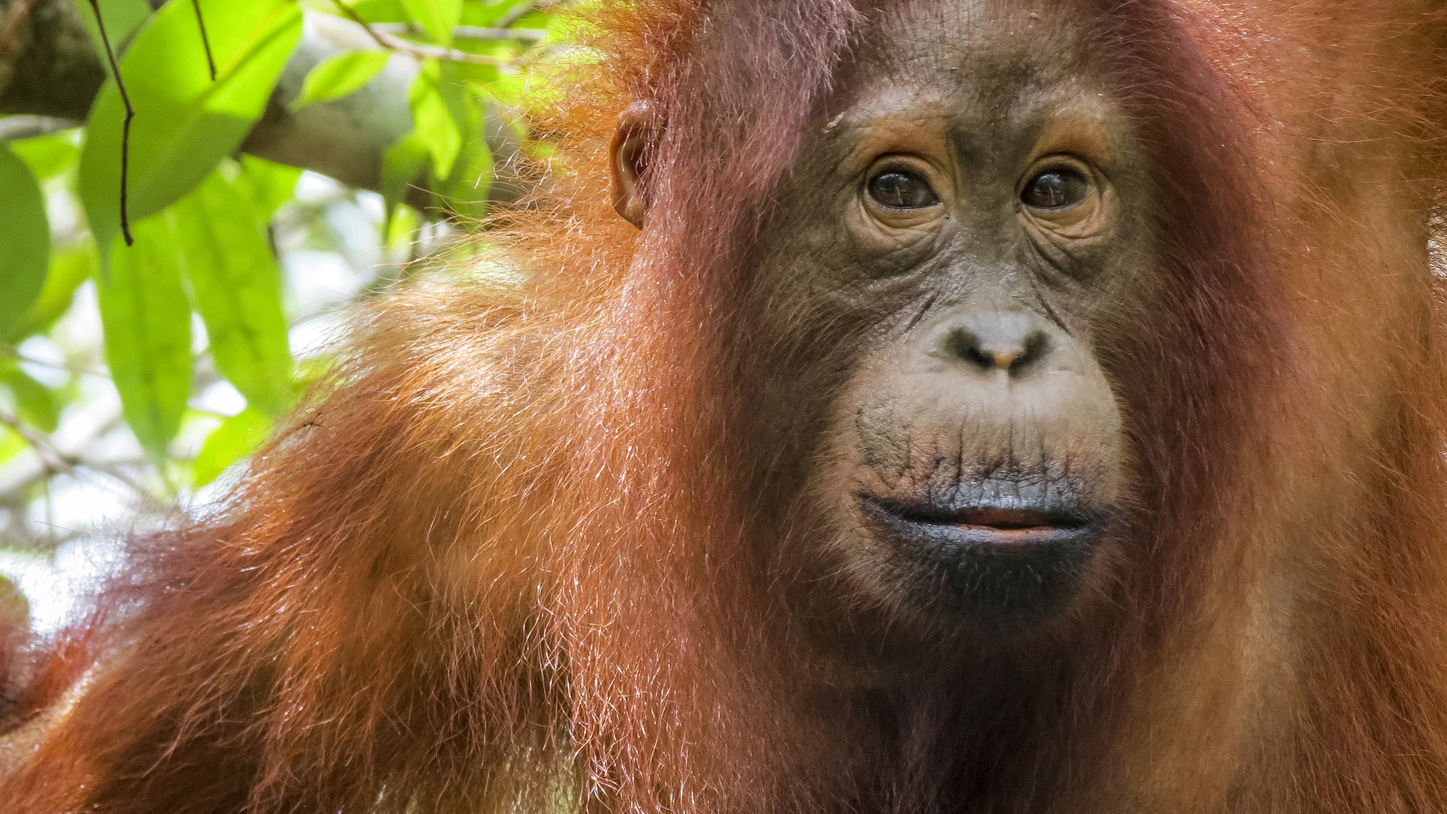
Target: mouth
column 990, row 527
column 1001, row 563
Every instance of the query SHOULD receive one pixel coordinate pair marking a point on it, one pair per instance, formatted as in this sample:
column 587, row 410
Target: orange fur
column 507, row 560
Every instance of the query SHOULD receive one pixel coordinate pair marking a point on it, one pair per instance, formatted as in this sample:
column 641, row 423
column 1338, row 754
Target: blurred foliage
column 136, row 371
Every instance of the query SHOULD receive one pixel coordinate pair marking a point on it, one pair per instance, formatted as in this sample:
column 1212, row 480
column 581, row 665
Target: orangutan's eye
column 898, row 189
column 1055, row 188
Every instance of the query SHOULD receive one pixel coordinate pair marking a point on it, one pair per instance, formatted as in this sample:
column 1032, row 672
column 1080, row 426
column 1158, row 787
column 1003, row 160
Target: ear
column 628, row 157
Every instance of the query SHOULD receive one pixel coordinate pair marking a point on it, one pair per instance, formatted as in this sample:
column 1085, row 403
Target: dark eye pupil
column 1054, row 189
column 901, row 190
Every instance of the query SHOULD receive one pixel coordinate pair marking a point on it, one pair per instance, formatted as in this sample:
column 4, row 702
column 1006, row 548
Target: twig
column 516, row 13
column 55, row 460
column 125, row 126
column 416, row 49
column 11, row 32
column 471, row 32
column 50, row 455
column 205, row 41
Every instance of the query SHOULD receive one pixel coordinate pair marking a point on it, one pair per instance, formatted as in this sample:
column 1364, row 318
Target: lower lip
column 1006, row 537
column 979, row 536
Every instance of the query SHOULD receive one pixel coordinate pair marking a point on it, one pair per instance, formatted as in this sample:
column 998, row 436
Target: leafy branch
column 414, row 49
column 157, row 202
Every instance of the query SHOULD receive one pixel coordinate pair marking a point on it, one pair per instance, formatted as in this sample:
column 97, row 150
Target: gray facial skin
column 967, row 222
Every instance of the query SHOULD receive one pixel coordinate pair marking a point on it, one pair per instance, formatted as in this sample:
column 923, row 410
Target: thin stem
column 516, row 13
column 470, row 32
column 205, row 41
column 54, row 460
column 125, row 125
column 415, row 49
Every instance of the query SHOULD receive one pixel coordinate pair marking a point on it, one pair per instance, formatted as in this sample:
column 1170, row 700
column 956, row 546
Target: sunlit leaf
column 184, row 121
column 381, row 11
column 122, row 18
column 489, row 12
column 340, row 75
column 24, row 239
column 512, row 89
column 311, row 371
column 49, row 155
column 402, row 225
column 437, row 17
column 147, row 322
column 237, row 288
column 11, row 443
column 233, row 440
column 34, row 402
column 434, row 123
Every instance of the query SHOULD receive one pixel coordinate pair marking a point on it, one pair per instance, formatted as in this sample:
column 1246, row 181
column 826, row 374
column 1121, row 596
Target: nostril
column 1035, row 347
column 963, row 344
column 1010, row 353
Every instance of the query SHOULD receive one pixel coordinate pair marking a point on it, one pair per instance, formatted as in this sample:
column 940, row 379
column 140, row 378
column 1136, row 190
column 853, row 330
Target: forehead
column 990, row 36
column 975, row 58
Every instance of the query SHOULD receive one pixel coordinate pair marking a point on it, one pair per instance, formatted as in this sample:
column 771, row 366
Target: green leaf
column 471, row 177
column 237, row 289
column 515, row 90
column 340, row 75
column 11, row 443
column 24, row 240
column 147, row 323
column 468, row 192
column 233, row 440
column 34, row 402
column 271, row 184
column 184, row 122
column 402, row 225
column 488, row 12
column 68, row 269
column 50, row 155
column 122, row 18
column 437, row 17
column 402, row 166
column 381, row 11
column 432, row 120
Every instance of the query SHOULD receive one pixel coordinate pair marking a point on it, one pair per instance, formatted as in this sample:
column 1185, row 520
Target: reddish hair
column 506, row 559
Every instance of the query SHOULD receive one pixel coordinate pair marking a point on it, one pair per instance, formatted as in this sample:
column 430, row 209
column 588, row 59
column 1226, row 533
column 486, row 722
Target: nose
column 993, row 342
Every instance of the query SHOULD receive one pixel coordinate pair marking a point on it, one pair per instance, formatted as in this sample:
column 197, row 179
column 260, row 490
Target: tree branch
column 51, row 70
